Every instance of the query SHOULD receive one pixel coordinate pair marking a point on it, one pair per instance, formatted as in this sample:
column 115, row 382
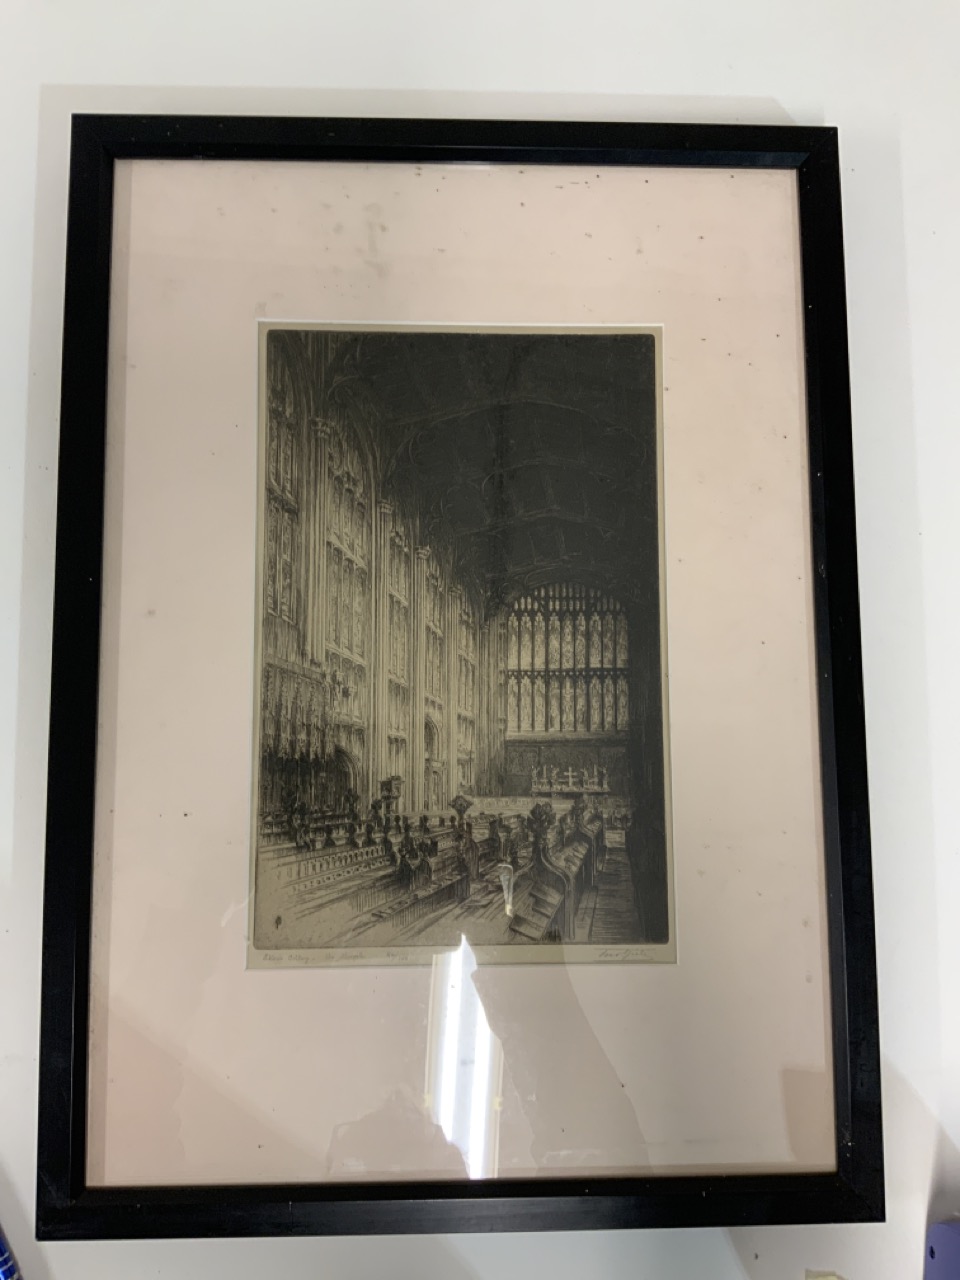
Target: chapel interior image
column 461, row 708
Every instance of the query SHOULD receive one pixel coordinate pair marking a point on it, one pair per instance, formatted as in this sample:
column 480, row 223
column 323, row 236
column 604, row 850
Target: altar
column 551, row 781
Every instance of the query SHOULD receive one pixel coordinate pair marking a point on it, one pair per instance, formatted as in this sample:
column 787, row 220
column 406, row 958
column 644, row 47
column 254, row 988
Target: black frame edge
column 71, row 773
column 206, row 1212
column 849, row 883
column 66, row 1209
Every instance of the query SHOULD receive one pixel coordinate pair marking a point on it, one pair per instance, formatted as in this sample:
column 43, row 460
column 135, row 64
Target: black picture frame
column 67, row 1208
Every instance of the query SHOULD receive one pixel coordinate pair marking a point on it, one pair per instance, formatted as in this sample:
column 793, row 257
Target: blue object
column 8, row 1265
column 942, row 1260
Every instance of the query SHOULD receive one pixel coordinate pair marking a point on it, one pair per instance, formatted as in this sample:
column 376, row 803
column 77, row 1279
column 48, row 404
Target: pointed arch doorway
column 341, row 778
column 434, row 769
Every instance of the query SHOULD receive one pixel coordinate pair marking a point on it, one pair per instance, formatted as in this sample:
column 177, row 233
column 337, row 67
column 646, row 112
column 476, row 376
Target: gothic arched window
column 398, row 639
column 435, row 639
column 567, row 658
column 466, row 692
column 348, row 531
column 283, row 513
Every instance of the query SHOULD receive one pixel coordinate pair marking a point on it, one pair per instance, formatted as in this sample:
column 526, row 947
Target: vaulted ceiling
column 535, row 454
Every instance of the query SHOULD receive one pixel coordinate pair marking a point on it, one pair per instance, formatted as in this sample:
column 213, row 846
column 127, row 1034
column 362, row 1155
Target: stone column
column 309, row 518
column 379, row 654
column 317, row 595
column 497, row 721
column 451, row 737
column 415, row 739
column 485, row 693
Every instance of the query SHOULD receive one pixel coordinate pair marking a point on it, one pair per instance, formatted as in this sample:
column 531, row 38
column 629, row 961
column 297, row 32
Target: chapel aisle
column 615, row 920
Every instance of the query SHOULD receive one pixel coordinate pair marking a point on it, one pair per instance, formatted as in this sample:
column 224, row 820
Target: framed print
column 457, row 793
column 481, row 620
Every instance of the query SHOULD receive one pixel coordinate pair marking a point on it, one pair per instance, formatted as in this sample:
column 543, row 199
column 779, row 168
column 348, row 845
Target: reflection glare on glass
column 464, row 1063
column 506, row 873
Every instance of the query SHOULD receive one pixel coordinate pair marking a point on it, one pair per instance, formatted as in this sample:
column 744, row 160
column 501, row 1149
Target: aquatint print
column 461, row 729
